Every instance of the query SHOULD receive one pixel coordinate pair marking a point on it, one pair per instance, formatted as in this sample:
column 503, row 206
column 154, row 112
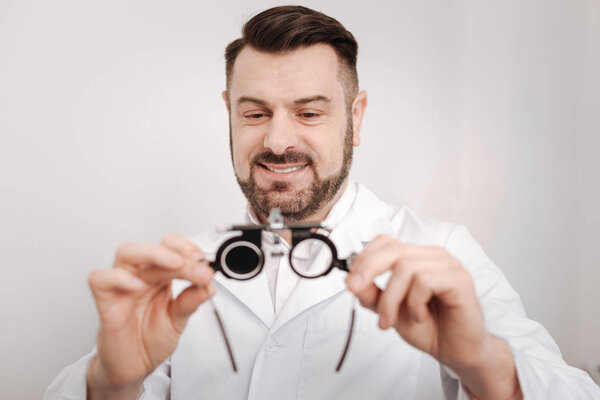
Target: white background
column 484, row 113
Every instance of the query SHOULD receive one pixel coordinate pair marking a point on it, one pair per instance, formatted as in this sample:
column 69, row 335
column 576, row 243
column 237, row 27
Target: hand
column 430, row 300
column 140, row 322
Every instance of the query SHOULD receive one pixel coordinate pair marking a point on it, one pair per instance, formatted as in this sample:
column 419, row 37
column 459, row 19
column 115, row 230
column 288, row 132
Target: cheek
column 329, row 155
column 244, row 147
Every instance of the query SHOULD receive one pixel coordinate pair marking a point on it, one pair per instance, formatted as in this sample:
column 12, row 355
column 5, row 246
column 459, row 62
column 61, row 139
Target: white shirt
column 290, row 351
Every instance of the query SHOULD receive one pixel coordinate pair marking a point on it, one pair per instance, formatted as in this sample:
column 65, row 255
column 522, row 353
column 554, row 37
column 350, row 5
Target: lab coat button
column 272, row 345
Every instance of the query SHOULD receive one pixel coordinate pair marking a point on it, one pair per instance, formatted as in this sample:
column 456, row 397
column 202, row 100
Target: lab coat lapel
column 310, row 292
column 253, row 293
column 364, row 221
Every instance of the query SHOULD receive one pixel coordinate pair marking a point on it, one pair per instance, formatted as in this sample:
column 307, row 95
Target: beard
column 295, row 204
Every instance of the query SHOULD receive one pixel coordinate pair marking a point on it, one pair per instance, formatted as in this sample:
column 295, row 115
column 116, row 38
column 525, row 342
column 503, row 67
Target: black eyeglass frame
column 251, row 238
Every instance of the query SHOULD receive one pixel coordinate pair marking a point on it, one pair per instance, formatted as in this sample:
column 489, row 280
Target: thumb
column 188, row 301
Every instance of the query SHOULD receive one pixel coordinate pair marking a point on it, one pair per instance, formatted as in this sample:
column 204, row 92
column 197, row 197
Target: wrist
column 492, row 374
column 100, row 386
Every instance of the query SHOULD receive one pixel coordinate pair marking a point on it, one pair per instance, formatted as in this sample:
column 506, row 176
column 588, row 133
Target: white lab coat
column 292, row 355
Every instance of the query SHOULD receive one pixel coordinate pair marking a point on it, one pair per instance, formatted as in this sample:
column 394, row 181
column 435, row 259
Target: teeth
column 284, row 170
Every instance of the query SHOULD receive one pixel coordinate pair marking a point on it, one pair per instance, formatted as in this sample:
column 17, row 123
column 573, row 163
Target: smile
column 283, row 170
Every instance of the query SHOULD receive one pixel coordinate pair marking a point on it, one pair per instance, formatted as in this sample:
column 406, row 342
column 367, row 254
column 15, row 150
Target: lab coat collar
column 363, row 219
column 356, row 218
column 253, row 293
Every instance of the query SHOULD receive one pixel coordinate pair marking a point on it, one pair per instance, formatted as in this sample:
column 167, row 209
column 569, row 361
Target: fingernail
column 356, row 282
column 198, row 256
column 383, row 322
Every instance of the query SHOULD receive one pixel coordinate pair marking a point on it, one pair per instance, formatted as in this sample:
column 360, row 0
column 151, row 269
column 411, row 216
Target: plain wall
column 484, row 113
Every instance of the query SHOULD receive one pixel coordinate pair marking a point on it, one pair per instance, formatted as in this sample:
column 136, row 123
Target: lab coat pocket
column 379, row 364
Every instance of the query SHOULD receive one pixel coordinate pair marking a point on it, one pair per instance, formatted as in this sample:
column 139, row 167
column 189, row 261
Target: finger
column 376, row 259
column 408, row 250
column 144, row 254
column 419, row 295
column 182, row 246
column 369, row 297
column 197, row 272
column 114, row 279
column 400, row 283
column 393, row 295
column 188, row 301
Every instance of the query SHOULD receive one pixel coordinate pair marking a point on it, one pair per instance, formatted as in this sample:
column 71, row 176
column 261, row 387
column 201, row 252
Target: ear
column 225, row 99
column 359, row 107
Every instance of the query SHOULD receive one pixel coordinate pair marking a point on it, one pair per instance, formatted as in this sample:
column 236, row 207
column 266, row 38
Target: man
column 442, row 321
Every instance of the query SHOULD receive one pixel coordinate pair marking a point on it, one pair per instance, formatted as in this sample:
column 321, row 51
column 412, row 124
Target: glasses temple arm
column 224, row 334
column 350, row 332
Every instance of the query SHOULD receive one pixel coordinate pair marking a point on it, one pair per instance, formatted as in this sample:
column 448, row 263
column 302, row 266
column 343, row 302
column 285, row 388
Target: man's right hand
column 140, row 322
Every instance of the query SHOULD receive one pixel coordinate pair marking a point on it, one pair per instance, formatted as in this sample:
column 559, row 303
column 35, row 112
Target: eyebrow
column 304, row 100
column 248, row 99
column 310, row 99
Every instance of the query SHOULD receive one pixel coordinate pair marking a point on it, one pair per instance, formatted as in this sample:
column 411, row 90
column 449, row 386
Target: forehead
column 276, row 77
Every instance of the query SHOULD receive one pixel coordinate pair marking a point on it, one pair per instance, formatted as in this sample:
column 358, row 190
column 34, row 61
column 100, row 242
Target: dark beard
column 297, row 205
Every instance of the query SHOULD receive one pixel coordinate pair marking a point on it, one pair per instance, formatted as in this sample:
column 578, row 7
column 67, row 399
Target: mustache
column 286, row 158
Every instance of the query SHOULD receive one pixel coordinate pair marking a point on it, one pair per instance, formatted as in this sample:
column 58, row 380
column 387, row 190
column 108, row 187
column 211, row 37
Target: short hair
column 287, row 28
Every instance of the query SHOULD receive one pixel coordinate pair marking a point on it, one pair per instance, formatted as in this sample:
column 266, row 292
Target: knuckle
column 465, row 276
column 156, row 251
column 455, row 262
column 93, row 278
column 420, row 289
column 122, row 249
column 386, row 238
column 398, row 247
column 420, row 281
column 190, row 248
column 440, row 250
column 400, row 266
column 169, row 238
column 363, row 302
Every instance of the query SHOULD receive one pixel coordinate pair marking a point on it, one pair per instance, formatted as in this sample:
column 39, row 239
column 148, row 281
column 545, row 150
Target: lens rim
column 322, row 238
column 235, row 243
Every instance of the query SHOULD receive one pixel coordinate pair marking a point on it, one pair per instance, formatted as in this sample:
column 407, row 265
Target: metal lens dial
column 311, row 258
column 242, row 260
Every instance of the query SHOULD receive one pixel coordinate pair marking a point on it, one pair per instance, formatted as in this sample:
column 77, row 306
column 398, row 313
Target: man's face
column 291, row 137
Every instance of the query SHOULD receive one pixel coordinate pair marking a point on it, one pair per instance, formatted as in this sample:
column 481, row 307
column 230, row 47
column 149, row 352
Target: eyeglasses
column 311, row 255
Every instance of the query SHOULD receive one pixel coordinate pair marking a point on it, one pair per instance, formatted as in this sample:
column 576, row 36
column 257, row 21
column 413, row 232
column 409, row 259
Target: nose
column 280, row 134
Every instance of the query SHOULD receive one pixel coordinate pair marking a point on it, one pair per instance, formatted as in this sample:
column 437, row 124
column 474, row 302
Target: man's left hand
column 430, row 300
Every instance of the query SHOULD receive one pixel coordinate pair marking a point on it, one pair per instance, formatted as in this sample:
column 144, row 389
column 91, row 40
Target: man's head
column 294, row 110
column 288, row 28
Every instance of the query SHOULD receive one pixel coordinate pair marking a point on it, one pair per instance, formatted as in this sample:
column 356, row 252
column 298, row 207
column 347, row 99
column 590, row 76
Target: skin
column 430, row 299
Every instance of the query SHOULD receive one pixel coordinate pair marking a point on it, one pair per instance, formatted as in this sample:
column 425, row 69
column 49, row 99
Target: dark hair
column 287, row 28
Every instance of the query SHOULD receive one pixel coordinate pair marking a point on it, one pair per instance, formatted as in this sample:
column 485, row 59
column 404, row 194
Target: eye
column 309, row 115
column 254, row 116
